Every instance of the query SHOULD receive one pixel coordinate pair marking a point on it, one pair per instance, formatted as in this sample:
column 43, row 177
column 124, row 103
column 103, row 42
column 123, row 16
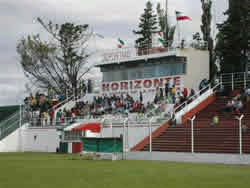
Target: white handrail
column 192, row 97
column 67, row 99
column 195, row 96
column 9, row 118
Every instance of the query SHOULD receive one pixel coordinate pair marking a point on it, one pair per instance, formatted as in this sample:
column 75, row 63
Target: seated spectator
column 238, row 107
column 248, row 93
column 228, row 107
column 215, row 121
column 244, row 128
column 172, row 121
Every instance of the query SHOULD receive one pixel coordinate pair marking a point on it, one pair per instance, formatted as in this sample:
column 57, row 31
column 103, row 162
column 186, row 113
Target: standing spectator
column 173, row 94
column 157, row 95
column 59, row 116
column 51, row 115
column 46, row 117
column 185, row 93
column 161, row 93
column 166, row 89
column 141, row 97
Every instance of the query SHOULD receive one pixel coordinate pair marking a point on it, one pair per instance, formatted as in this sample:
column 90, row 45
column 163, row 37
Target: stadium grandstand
column 152, row 101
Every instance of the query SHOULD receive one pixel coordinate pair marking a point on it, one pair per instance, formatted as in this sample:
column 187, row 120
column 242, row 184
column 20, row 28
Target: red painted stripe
column 179, row 18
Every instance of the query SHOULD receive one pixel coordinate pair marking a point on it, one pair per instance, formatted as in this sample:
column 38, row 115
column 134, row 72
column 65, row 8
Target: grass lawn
column 38, row 170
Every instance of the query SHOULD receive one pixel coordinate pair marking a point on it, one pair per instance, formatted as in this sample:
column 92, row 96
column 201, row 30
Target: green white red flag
column 180, row 16
column 121, row 43
column 160, row 38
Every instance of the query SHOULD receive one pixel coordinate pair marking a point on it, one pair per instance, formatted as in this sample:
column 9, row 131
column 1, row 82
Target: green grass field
column 36, row 170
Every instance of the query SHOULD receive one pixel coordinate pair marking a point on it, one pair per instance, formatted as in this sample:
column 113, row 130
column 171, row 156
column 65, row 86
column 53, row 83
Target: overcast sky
column 111, row 18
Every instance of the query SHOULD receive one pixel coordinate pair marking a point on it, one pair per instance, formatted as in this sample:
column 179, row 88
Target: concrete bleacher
column 223, row 138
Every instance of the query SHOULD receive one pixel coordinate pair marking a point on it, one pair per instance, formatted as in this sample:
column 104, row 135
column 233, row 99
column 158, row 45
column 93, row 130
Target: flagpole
column 179, row 33
column 178, row 28
column 166, row 20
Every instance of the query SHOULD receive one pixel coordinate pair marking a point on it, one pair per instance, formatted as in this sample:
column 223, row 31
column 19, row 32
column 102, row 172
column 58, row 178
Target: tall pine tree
column 206, row 31
column 233, row 38
column 147, row 27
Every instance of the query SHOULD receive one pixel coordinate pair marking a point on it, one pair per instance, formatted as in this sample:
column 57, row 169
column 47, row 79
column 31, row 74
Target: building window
column 148, row 71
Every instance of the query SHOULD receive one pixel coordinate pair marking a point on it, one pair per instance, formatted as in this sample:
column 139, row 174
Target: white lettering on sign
column 145, row 85
column 115, row 56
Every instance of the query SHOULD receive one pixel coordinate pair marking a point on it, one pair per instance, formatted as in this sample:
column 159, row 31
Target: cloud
column 112, row 18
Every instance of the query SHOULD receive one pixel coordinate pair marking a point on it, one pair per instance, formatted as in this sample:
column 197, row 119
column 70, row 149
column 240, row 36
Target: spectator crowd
column 42, row 109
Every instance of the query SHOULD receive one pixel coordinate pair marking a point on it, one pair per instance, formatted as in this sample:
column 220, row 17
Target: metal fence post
column 102, row 125
column 240, row 132
column 192, row 133
column 20, row 118
column 20, row 127
column 111, row 125
column 245, row 84
column 127, row 144
column 124, row 136
column 150, row 134
column 232, row 81
column 221, row 81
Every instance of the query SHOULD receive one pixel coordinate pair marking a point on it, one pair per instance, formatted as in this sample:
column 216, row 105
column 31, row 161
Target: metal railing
column 9, row 118
column 238, row 80
column 205, row 130
column 14, row 122
column 196, row 96
column 117, row 55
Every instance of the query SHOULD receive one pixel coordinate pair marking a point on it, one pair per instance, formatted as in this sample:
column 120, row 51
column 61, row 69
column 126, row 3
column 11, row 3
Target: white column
column 20, row 118
column 240, row 132
column 192, row 133
column 245, row 84
column 20, row 127
column 111, row 126
column 102, row 125
column 150, row 134
column 232, row 81
column 124, row 136
column 127, row 136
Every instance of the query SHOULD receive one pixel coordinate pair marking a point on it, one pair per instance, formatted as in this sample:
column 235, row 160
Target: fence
column 105, row 145
column 13, row 122
column 239, row 80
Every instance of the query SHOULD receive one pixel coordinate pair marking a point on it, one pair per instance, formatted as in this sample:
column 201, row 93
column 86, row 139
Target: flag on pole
column 161, row 40
column 180, row 16
column 122, row 43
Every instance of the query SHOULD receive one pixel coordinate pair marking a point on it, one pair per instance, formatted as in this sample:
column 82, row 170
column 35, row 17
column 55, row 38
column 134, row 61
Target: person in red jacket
column 185, row 93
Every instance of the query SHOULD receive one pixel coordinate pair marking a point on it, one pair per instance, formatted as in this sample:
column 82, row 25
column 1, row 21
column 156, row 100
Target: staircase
column 221, row 139
column 11, row 123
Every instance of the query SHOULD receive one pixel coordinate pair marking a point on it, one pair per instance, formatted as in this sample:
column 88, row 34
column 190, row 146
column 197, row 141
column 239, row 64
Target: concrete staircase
column 221, row 139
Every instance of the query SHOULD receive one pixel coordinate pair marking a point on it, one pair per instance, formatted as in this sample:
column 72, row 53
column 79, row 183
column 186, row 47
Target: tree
column 59, row 63
column 232, row 48
column 197, row 37
column 147, row 27
column 165, row 27
column 206, row 31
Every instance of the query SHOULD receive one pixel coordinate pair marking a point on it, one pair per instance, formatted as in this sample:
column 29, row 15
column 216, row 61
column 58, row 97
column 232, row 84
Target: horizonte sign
column 144, row 85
